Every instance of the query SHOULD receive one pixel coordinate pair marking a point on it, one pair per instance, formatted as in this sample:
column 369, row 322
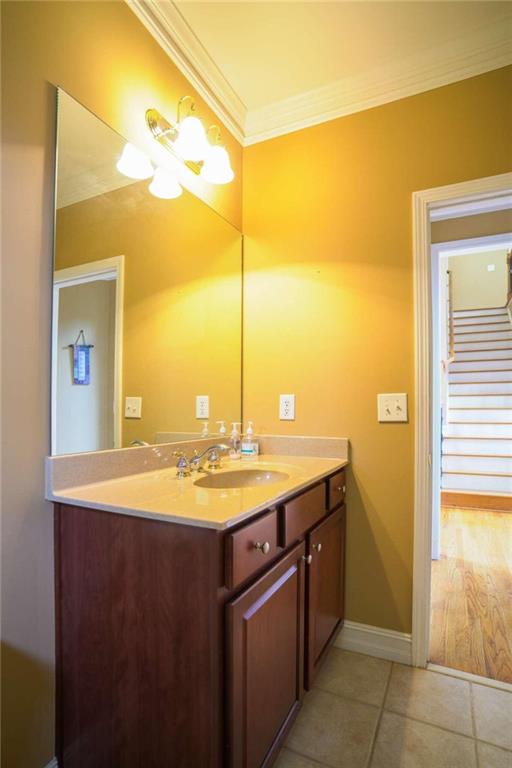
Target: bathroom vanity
column 187, row 638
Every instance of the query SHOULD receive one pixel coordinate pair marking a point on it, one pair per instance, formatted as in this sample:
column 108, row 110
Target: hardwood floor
column 471, row 620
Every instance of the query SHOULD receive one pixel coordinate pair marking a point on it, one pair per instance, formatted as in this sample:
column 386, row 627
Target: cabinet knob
column 263, row 547
column 308, row 559
column 318, row 546
column 341, row 488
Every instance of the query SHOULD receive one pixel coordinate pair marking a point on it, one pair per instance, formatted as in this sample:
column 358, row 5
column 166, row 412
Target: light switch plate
column 133, row 407
column 287, row 407
column 392, row 407
column 202, row 406
column 491, row 267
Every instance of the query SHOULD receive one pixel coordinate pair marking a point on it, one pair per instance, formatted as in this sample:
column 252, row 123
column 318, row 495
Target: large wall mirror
column 146, row 302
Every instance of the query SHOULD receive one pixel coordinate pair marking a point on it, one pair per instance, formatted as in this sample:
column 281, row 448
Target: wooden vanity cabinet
column 325, row 588
column 180, row 646
column 265, row 652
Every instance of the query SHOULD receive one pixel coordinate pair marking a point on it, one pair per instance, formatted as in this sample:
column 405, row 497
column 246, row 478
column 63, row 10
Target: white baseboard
column 375, row 641
column 53, row 763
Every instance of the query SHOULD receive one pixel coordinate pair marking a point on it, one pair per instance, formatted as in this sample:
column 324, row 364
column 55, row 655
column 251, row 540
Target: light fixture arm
column 166, row 134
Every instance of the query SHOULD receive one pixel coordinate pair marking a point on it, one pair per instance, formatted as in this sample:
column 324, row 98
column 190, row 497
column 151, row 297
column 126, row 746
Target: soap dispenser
column 250, row 447
column 234, row 441
column 204, row 432
column 222, row 428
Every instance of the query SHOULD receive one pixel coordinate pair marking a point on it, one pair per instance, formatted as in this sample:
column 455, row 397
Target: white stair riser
column 466, row 328
column 477, row 322
column 485, row 354
column 477, row 430
column 505, row 335
column 477, row 464
column 478, row 365
column 479, row 388
column 479, row 312
column 478, row 447
column 474, row 345
column 488, row 416
column 477, row 483
column 471, row 376
column 480, row 401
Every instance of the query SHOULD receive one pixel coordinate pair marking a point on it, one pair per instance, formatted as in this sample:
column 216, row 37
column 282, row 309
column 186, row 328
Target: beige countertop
column 161, row 495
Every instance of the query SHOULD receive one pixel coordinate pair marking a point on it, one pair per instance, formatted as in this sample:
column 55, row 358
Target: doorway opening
column 87, row 300
column 462, row 620
column 471, row 588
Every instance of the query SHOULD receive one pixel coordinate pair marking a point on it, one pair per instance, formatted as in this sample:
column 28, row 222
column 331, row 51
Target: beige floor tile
column 289, row 759
column 493, row 715
column 434, row 698
column 404, row 743
column 352, row 674
column 493, row 757
column 334, row 731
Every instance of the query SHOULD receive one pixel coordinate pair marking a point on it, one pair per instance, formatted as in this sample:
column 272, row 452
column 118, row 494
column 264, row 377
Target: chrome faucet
column 213, row 455
column 184, row 465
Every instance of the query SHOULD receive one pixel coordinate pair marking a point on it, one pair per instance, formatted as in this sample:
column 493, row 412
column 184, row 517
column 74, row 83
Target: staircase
column 477, row 435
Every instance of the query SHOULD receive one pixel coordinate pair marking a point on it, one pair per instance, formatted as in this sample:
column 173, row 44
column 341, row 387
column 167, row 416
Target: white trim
column 472, row 209
column 85, row 273
column 473, row 245
column 166, row 24
column 422, row 203
column 53, row 763
column 472, row 54
column 375, row 641
column 478, row 679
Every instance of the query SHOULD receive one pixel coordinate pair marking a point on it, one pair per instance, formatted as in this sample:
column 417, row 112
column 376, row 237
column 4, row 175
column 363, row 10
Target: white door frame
column 423, row 202
column 112, row 268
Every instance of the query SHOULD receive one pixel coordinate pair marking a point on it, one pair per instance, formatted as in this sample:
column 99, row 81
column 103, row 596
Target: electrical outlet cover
column 287, row 407
column 202, row 406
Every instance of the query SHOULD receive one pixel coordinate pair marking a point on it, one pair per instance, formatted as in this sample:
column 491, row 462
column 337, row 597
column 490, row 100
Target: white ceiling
column 271, row 67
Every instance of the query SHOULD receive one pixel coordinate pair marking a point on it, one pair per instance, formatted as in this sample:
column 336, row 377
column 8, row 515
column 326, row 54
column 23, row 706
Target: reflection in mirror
column 146, row 302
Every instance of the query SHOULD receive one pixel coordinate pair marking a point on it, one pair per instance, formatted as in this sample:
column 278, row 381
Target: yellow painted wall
column 102, row 55
column 474, row 287
column 182, row 319
column 329, row 297
column 479, row 225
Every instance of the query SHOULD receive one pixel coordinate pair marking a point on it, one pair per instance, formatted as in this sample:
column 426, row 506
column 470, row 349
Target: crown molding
column 473, row 54
column 485, row 50
column 166, row 24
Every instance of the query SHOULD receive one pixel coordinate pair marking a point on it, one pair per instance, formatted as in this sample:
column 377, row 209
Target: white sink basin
column 241, row 478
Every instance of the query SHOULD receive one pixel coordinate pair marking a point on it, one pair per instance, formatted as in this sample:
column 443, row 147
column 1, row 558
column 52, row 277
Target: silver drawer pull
column 264, row 548
column 308, row 559
column 341, row 488
column 318, row 547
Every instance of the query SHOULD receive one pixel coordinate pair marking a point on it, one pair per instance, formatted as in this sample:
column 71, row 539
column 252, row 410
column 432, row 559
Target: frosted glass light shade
column 134, row 163
column 165, row 185
column 191, row 143
column 217, row 167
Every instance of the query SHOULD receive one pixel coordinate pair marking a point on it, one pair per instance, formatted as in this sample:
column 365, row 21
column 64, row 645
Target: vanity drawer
column 301, row 513
column 337, row 489
column 250, row 548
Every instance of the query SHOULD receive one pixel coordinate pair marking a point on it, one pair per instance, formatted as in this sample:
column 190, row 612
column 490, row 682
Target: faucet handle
column 182, row 465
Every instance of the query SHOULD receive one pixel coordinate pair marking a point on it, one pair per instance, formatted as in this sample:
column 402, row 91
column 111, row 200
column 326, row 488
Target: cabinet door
column 325, row 587
column 265, row 631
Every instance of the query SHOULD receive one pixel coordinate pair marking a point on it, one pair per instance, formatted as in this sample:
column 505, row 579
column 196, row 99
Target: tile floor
column 370, row 713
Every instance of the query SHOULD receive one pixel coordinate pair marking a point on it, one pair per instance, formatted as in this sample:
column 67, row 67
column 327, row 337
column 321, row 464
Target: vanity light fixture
column 165, row 185
column 188, row 141
column 134, row 163
column 191, row 143
column 217, row 167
